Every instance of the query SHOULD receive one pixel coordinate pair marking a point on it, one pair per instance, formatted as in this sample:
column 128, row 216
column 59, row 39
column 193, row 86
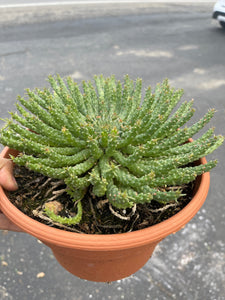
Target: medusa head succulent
column 106, row 138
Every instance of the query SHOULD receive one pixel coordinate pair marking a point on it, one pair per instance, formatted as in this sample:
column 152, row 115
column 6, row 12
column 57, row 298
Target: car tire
column 222, row 24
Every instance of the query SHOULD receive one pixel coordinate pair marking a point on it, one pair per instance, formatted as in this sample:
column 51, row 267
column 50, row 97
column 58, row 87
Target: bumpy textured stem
column 103, row 137
column 65, row 220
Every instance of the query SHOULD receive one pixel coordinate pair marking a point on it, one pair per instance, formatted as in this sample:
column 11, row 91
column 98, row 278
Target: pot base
column 109, row 266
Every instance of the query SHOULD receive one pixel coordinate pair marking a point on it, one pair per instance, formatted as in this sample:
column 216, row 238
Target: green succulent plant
column 106, row 138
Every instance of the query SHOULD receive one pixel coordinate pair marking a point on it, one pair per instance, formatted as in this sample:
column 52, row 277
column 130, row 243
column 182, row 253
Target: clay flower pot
column 105, row 258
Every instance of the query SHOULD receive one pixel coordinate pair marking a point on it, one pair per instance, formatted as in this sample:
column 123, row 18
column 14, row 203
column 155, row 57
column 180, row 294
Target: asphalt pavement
column 148, row 40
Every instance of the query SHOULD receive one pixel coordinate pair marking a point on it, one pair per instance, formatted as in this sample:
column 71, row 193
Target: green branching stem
column 65, row 220
column 105, row 138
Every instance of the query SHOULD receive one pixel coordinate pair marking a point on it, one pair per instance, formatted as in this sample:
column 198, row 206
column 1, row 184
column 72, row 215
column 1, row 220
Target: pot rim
column 107, row 242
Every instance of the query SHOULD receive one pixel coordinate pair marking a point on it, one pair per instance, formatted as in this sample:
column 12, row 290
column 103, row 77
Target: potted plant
column 116, row 155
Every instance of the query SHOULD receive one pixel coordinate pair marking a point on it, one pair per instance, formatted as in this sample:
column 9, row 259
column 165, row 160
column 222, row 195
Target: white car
column 219, row 12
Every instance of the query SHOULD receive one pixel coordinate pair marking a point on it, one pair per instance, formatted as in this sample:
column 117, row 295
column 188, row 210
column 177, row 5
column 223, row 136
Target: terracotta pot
column 105, row 258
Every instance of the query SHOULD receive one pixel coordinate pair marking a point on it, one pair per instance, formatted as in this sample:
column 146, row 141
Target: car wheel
column 222, row 24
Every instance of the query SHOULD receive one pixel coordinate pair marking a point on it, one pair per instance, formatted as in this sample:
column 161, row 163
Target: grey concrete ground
column 151, row 41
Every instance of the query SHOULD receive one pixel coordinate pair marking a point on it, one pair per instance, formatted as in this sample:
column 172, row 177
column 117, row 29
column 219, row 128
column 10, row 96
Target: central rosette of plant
column 106, row 139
